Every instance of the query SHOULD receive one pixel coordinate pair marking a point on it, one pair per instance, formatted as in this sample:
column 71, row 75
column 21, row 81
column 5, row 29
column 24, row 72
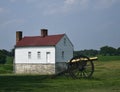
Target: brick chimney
column 18, row 36
column 44, row 32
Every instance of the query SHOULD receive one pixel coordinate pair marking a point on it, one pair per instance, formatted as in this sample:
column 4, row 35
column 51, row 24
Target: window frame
column 38, row 55
column 65, row 40
column 63, row 55
column 29, row 54
column 48, row 54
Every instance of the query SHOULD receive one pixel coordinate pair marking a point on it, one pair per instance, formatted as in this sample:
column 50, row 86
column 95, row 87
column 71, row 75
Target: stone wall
column 42, row 69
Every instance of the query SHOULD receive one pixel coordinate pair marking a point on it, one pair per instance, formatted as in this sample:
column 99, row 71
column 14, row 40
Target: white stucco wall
column 66, row 47
column 21, row 54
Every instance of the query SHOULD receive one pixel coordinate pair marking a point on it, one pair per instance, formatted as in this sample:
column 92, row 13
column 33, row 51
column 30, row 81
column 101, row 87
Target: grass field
column 106, row 78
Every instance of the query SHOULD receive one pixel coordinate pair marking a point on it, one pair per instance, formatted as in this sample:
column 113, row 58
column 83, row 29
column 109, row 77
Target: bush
column 2, row 58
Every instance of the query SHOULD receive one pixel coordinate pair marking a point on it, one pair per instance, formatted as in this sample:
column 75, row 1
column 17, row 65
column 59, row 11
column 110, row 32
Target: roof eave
column 35, row 46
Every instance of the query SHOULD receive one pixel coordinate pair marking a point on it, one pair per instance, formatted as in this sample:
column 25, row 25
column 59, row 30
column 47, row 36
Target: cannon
column 80, row 67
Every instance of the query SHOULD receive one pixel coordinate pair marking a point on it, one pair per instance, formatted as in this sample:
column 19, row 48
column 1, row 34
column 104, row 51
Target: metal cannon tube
column 85, row 59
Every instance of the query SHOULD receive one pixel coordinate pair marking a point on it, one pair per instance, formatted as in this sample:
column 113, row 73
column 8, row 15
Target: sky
column 89, row 24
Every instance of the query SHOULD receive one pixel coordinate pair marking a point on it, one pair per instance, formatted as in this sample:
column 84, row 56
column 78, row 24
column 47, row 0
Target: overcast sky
column 89, row 24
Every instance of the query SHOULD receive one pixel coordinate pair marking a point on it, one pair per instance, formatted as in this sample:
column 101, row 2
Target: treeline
column 105, row 51
column 4, row 54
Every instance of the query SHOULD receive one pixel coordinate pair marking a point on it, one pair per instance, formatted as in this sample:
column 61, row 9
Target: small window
column 64, row 41
column 29, row 55
column 47, row 57
column 39, row 55
column 62, row 54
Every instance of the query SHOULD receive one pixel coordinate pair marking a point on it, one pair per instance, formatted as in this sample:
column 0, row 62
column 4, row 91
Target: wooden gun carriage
column 80, row 67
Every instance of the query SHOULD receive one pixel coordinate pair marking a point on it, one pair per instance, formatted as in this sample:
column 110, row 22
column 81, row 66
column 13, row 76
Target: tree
column 5, row 52
column 2, row 58
column 106, row 50
column 90, row 52
column 118, row 51
column 12, row 52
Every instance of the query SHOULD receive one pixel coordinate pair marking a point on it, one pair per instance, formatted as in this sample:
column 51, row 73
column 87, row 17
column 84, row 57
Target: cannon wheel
column 80, row 69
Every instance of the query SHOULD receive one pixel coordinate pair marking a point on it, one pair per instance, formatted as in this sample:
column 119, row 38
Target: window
column 29, row 55
column 47, row 57
column 62, row 54
column 39, row 55
column 64, row 41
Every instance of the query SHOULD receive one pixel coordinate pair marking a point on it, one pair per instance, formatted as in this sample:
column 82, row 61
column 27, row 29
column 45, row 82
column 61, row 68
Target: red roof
column 50, row 40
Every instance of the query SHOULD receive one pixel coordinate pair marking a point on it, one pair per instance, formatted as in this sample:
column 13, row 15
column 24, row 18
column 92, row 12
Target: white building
column 45, row 54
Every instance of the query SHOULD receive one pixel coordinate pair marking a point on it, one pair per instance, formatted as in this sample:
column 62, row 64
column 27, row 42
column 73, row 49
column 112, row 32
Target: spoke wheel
column 81, row 68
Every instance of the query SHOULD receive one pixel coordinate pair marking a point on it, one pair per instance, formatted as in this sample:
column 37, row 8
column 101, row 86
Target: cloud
column 11, row 22
column 2, row 10
column 52, row 7
column 70, row 2
column 75, row 5
column 12, row 1
column 78, row 5
column 78, row 2
column 64, row 7
column 101, row 4
column 32, row 1
column 28, row 1
column 67, row 6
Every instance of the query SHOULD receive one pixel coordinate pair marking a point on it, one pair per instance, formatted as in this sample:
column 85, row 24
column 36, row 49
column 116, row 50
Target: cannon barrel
column 93, row 58
column 85, row 59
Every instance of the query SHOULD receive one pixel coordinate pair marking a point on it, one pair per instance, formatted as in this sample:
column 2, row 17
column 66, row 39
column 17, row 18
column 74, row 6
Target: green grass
column 9, row 60
column 108, row 58
column 7, row 67
column 106, row 78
